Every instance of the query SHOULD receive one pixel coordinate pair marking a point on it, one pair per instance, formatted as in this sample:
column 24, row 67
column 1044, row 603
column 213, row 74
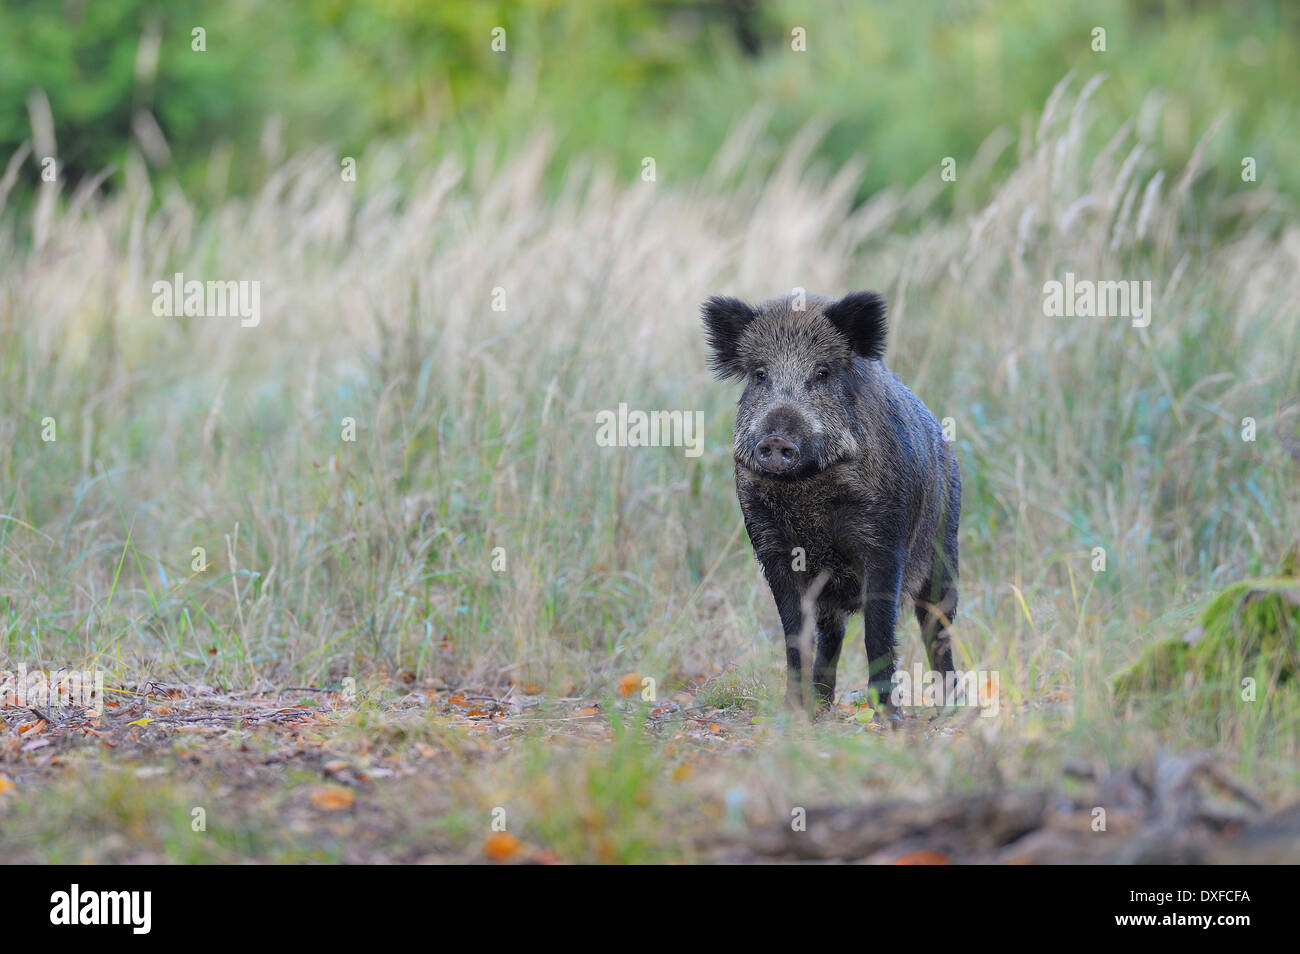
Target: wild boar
column 850, row 494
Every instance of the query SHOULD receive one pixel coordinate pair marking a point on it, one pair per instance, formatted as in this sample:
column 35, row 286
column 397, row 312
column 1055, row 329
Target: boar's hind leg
column 936, row 605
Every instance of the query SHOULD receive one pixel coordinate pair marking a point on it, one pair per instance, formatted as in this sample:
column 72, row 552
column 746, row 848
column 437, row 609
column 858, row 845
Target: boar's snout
column 776, row 454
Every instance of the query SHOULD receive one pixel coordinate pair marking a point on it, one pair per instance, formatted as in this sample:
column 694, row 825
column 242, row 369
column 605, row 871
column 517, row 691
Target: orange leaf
column 501, row 846
column 590, row 710
column 331, row 798
column 32, row 727
column 5, row 784
column 922, row 858
column 629, row 683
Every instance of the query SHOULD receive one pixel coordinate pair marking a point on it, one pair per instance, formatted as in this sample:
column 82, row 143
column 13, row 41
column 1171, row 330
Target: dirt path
column 432, row 773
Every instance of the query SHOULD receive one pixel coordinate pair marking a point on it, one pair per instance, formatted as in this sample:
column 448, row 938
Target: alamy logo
column 54, row 690
column 624, row 428
column 195, row 299
column 1085, row 298
column 922, row 687
column 102, row 907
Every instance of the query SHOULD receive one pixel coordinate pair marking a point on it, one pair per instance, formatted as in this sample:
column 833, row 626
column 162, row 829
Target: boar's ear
column 724, row 320
column 860, row 317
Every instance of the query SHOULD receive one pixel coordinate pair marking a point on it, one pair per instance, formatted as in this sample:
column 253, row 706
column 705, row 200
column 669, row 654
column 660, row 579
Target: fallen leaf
column 332, row 798
column 629, row 683
column 922, row 858
column 501, row 846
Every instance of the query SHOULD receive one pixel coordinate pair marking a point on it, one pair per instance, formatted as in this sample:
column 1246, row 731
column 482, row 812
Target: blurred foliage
column 902, row 84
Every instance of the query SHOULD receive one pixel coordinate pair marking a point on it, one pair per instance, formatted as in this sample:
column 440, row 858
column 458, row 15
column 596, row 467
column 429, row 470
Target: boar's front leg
column 830, row 636
column 789, row 604
column 881, row 591
column 810, row 691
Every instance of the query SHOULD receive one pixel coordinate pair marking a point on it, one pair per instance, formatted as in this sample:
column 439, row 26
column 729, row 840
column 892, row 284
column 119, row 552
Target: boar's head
column 805, row 376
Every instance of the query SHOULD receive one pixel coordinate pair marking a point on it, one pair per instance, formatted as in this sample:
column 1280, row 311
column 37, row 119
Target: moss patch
column 1251, row 629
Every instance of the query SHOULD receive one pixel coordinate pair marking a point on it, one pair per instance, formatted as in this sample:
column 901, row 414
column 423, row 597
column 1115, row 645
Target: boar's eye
column 760, row 375
column 823, row 373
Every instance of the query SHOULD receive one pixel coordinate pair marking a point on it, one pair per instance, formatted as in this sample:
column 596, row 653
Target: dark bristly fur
column 839, row 468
